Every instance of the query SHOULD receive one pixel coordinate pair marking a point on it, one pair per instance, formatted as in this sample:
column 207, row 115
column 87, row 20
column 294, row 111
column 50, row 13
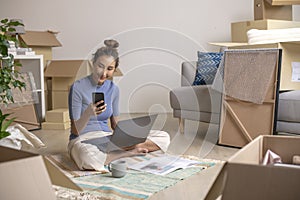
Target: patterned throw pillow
column 207, row 65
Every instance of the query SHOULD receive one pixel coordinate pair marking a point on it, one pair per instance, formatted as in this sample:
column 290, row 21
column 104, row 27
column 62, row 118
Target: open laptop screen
column 127, row 133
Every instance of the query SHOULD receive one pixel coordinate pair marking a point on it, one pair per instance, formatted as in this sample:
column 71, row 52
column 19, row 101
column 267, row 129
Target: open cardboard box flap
column 242, row 176
column 68, row 68
column 31, row 174
column 58, row 178
column 40, row 38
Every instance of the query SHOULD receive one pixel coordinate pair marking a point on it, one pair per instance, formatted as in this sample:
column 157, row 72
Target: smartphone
column 98, row 96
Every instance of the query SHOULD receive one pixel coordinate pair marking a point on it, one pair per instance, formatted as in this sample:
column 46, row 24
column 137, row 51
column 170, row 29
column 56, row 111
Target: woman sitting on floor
column 88, row 120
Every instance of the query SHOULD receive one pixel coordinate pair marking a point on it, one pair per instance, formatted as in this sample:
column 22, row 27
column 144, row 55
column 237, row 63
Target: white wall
column 155, row 37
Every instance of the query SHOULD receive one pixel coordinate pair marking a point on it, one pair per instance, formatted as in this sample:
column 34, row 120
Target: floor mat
column 135, row 185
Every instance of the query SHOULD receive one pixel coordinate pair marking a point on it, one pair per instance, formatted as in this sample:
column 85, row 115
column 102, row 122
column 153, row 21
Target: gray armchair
column 198, row 103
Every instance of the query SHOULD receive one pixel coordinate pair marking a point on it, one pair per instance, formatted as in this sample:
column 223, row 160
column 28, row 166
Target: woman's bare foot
column 149, row 145
column 121, row 154
column 138, row 151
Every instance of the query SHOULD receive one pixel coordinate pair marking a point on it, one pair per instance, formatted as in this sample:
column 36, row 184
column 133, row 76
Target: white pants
column 88, row 156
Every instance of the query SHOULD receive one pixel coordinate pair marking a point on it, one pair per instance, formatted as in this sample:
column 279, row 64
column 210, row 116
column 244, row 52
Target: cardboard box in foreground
column 242, row 177
column 25, row 175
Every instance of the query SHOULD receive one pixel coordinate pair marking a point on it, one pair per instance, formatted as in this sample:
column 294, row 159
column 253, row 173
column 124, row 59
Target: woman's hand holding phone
column 100, row 107
column 99, row 104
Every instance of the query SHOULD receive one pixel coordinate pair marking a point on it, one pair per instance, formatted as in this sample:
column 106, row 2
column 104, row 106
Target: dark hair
column 110, row 49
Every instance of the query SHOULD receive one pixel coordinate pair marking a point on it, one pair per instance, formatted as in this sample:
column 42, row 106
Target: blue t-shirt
column 80, row 97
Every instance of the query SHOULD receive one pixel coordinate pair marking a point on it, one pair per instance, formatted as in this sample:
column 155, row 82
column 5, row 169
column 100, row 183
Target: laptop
column 127, row 133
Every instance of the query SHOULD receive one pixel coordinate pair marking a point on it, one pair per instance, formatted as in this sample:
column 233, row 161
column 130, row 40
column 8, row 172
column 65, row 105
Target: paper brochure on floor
column 164, row 164
column 29, row 176
column 244, row 177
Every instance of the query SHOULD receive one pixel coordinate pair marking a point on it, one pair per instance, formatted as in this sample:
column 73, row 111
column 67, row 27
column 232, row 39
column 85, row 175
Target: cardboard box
column 265, row 9
column 62, row 84
column 56, row 125
column 29, row 176
column 57, row 115
column 59, row 99
column 239, row 29
column 25, row 115
column 41, row 42
column 283, row 2
column 243, row 177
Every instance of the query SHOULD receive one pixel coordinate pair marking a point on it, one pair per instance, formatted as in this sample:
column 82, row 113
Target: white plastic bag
column 21, row 138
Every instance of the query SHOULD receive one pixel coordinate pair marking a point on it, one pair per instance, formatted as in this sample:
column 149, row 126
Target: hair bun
column 111, row 43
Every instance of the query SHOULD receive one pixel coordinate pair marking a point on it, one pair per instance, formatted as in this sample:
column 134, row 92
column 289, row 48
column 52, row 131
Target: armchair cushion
column 207, row 65
column 197, row 98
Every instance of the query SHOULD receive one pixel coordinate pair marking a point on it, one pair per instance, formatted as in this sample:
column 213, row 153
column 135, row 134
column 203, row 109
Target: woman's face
column 103, row 68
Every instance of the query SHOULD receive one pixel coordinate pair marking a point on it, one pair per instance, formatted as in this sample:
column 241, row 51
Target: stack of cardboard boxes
column 41, row 42
column 243, row 176
column 279, row 15
column 270, row 14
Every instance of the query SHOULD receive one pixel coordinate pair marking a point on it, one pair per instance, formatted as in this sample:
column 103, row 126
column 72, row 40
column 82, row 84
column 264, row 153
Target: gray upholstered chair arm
column 188, row 72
